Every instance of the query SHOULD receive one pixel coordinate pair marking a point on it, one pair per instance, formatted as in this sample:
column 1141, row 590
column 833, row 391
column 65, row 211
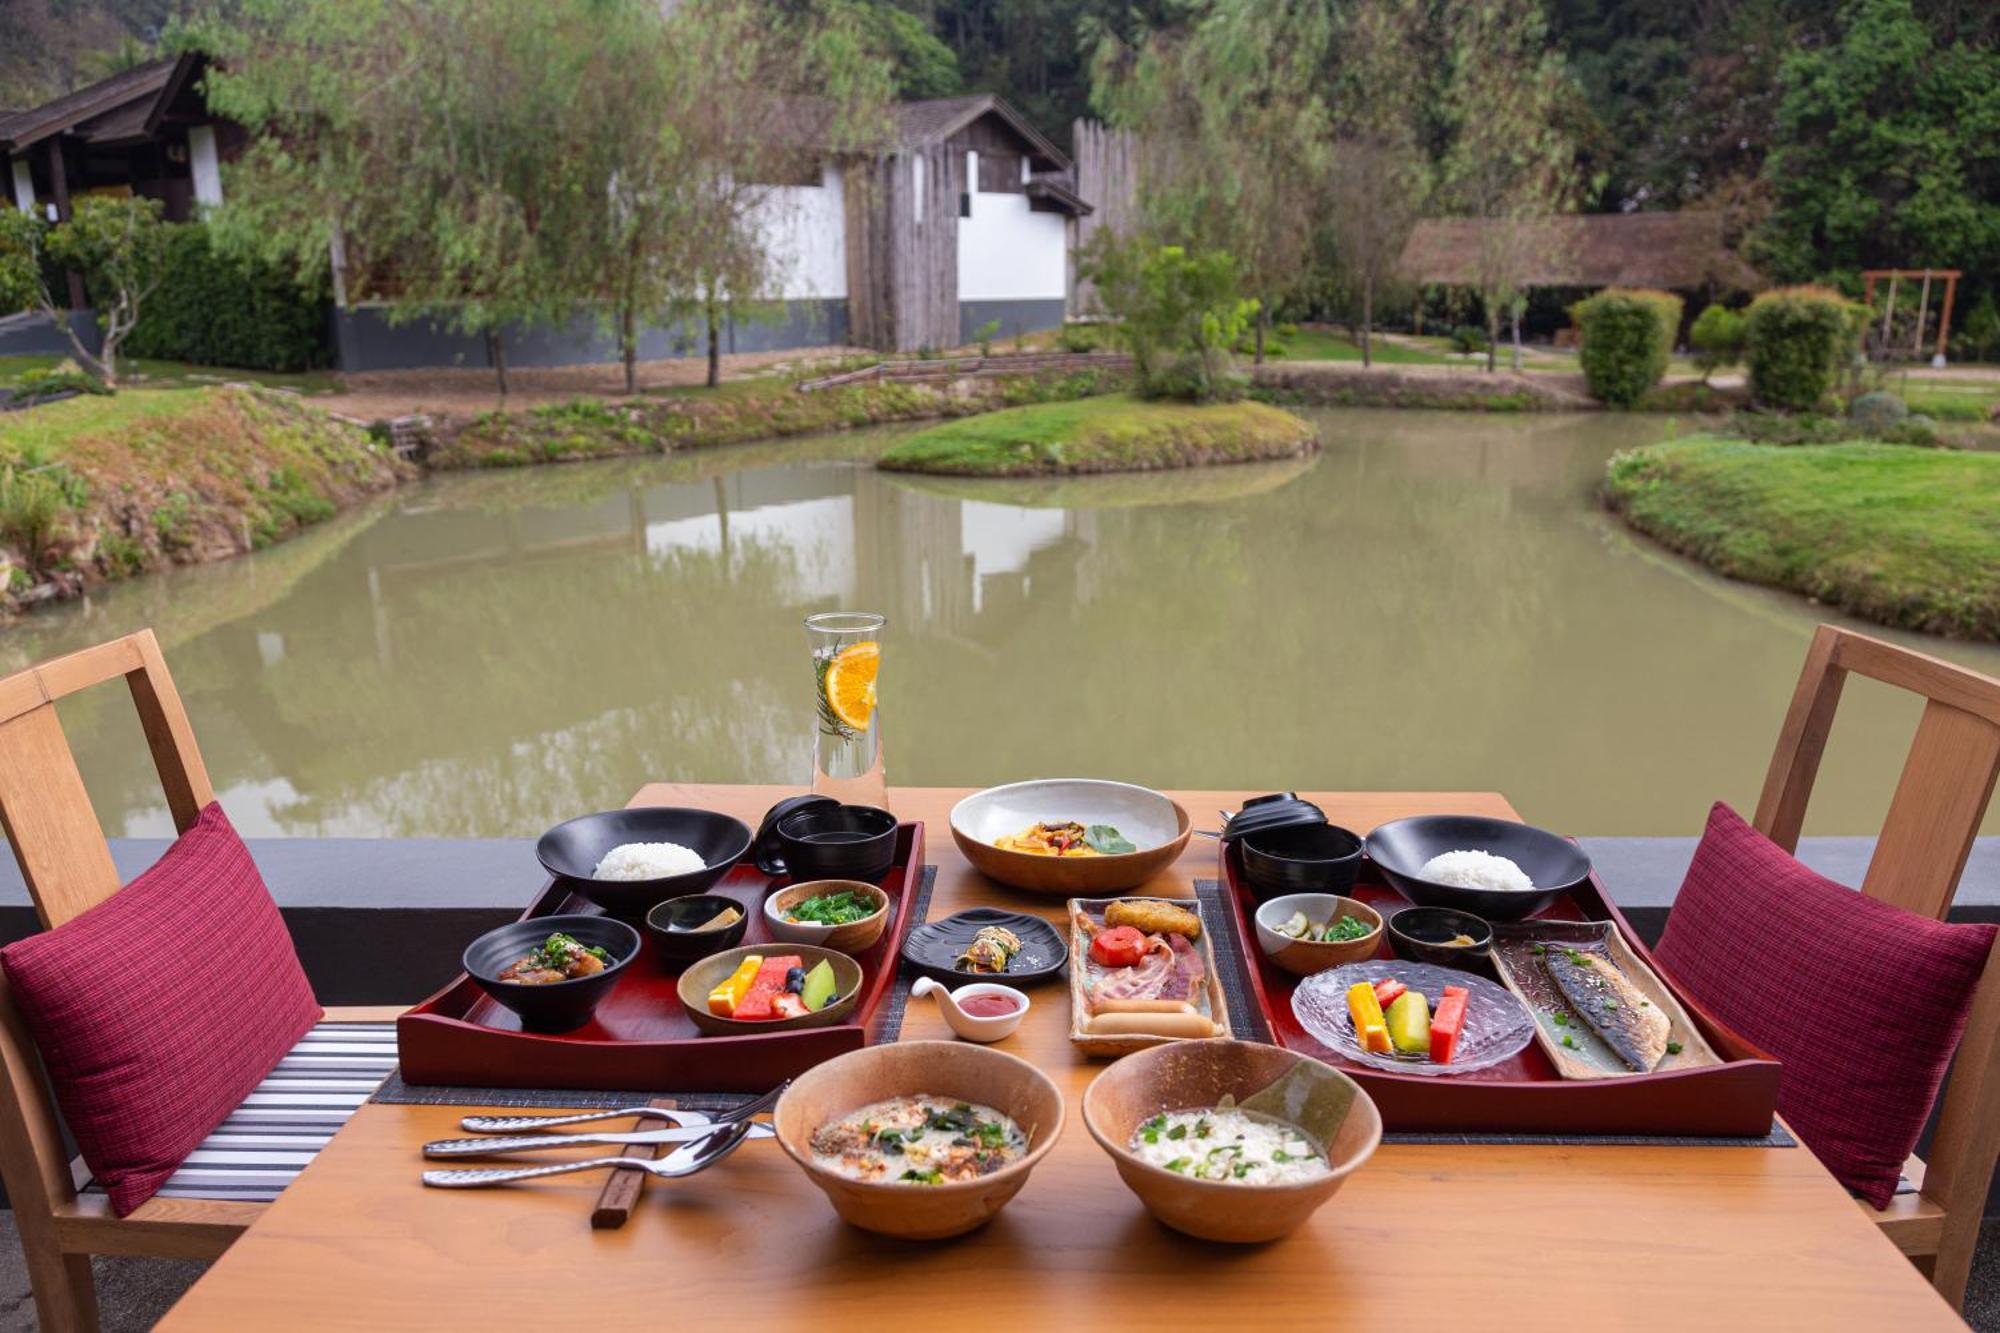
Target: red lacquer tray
column 1525, row 1095
column 640, row 1038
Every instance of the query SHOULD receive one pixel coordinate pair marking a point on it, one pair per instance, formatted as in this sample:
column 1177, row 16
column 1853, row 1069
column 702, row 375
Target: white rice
column 647, row 860
column 1475, row 870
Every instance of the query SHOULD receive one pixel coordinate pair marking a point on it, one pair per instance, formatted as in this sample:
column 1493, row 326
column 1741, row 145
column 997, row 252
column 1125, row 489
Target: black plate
column 933, row 947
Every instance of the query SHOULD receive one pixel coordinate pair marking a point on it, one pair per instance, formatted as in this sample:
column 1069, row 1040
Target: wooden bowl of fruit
column 788, row 986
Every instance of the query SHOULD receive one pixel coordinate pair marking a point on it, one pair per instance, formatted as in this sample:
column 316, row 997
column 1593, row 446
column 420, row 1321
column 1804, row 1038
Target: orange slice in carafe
column 850, row 683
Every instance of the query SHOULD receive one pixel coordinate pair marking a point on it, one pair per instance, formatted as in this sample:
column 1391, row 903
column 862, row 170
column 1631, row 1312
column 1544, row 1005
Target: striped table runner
column 269, row 1138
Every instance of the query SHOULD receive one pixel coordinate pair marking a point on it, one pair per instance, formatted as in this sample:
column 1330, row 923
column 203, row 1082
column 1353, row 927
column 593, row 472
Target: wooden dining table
column 1468, row 1236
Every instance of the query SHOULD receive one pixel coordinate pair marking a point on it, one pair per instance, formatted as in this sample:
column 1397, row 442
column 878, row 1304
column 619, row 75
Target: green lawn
column 1949, row 400
column 45, row 430
column 150, row 374
column 1904, row 536
column 1335, row 345
column 1108, row 433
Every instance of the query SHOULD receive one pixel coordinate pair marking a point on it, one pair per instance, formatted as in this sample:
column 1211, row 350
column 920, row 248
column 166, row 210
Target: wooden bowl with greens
column 844, row 914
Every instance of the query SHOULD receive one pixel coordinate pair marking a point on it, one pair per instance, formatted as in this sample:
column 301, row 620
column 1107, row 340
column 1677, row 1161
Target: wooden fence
column 1107, row 174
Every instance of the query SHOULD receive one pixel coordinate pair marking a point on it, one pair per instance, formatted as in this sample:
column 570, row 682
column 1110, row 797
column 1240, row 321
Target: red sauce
column 988, row 1005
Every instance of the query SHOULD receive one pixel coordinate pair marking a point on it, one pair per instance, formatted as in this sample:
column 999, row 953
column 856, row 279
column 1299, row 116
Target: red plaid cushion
column 158, row 1010
column 1864, row 1003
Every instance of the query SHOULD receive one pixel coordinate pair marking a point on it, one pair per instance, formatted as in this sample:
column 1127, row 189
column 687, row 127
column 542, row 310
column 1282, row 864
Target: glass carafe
column 847, row 742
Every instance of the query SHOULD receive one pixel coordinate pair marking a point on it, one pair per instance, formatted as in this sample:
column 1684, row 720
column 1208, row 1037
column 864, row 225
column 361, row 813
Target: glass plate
column 1497, row 1025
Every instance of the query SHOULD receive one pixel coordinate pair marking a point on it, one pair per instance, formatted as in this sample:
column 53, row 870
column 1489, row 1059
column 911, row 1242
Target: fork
column 683, row 1162
column 515, row 1124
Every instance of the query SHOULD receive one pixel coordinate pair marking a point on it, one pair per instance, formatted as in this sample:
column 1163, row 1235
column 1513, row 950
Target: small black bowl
column 832, row 842
column 1421, row 935
column 560, row 1005
column 1402, row 846
column 572, row 850
column 1300, row 858
column 671, row 924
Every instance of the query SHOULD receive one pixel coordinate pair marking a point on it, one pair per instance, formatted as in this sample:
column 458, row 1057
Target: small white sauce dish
column 971, row 1027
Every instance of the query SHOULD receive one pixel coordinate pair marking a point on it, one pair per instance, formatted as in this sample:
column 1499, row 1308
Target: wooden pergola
column 1896, row 275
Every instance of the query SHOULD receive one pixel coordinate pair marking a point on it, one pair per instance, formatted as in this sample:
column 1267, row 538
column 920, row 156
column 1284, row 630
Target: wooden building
column 146, row 131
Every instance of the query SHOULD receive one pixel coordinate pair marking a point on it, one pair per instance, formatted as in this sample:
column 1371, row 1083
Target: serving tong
column 703, row 1141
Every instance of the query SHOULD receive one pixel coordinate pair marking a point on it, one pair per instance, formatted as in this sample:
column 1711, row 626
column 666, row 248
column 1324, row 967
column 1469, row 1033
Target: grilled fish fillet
column 1631, row 1025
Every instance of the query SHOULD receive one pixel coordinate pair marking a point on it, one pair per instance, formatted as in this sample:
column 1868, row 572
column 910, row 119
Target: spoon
column 685, row 1161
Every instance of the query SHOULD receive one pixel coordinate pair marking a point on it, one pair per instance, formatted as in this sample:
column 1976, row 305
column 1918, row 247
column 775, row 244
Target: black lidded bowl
column 677, row 943
column 826, row 840
column 1300, row 858
column 571, row 851
column 1402, row 847
column 558, row 1006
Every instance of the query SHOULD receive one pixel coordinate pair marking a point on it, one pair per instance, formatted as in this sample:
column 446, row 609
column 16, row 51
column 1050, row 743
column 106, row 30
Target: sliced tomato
column 1386, row 991
column 1120, row 946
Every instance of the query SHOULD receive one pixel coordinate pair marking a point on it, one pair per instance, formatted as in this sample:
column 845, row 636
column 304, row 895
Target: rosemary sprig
column 829, row 721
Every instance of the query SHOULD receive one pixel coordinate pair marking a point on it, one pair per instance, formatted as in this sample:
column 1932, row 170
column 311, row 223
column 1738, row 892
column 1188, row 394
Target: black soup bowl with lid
column 556, row 1006
column 819, row 838
column 1300, row 858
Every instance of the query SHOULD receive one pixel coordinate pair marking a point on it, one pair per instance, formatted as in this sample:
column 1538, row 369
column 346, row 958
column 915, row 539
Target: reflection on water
column 1436, row 602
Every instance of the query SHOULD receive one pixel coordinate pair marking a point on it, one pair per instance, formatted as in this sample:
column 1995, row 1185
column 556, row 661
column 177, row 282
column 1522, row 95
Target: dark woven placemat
column 887, row 1026
column 1247, row 1023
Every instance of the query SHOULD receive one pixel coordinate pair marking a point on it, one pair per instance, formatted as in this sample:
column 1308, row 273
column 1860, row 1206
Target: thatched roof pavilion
column 1676, row 251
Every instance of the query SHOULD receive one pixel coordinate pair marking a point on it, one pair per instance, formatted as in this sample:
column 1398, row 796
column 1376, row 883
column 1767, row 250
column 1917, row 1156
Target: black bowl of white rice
column 630, row 861
column 1493, row 868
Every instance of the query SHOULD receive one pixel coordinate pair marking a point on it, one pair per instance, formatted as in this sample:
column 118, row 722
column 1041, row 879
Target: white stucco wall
column 807, row 225
column 1008, row 253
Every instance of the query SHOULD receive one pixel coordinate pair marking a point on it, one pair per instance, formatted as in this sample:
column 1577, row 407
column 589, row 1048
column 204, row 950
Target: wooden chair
column 1946, row 785
column 67, row 863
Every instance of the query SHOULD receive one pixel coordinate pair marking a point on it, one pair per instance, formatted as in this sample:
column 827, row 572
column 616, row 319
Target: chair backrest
column 1941, row 798
column 66, row 861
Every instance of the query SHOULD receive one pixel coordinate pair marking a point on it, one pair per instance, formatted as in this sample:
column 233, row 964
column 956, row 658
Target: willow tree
column 761, row 97
column 1509, row 164
column 423, row 143
column 1232, row 133
column 1380, row 175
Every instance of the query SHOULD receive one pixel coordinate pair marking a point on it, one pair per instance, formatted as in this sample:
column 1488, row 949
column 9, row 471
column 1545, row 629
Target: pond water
column 1435, row 602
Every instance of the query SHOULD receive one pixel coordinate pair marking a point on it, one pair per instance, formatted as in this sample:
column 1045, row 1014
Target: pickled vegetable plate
column 1497, row 1025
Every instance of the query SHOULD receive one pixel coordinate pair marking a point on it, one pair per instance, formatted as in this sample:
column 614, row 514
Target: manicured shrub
column 1878, row 413
column 1468, row 340
column 1627, row 337
column 1797, row 342
column 1717, row 338
column 1079, row 338
column 217, row 309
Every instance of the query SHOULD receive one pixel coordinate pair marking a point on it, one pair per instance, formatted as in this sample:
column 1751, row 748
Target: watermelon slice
column 757, row 1004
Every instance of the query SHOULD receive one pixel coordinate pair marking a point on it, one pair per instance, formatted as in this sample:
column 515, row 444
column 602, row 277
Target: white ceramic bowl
column 1155, row 826
column 971, row 1026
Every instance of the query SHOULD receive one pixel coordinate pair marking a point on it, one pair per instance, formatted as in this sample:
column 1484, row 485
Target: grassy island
column 1903, row 536
column 1111, row 433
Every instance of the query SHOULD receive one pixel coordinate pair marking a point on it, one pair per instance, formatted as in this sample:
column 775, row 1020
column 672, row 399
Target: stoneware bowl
column 674, row 928
column 1402, row 847
column 976, row 1074
column 1327, row 1105
column 560, row 1005
column 1300, row 858
column 852, row 937
column 1302, row 958
column 571, row 851
column 704, row 976
column 1151, row 822
column 973, row 1027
